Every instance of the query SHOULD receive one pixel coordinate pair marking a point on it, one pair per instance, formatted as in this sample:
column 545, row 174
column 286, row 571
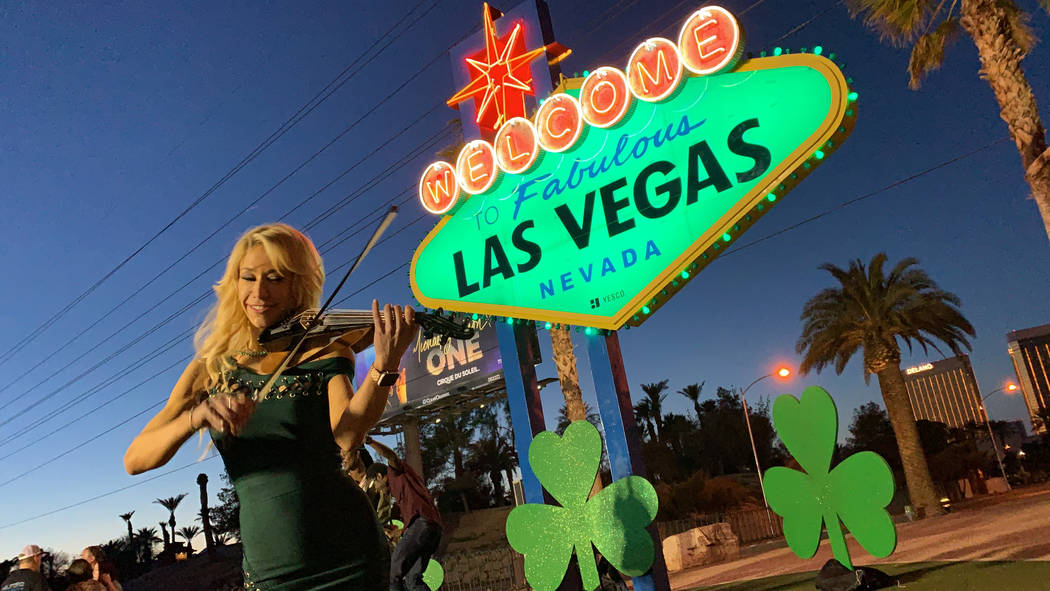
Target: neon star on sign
column 500, row 76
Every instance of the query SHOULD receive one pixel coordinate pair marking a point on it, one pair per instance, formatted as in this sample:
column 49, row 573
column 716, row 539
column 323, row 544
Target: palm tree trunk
column 202, row 481
column 569, row 379
column 989, row 26
column 565, row 362
column 916, row 471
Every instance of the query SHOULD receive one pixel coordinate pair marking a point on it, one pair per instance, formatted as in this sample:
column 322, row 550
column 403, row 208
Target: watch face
column 388, row 379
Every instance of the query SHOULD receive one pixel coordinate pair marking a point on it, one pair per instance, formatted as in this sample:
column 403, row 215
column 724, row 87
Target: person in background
column 27, row 576
column 80, row 575
column 356, row 462
column 423, row 526
column 102, row 569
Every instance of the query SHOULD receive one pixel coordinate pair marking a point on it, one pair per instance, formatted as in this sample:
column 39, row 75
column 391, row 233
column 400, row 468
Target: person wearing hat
column 27, row 577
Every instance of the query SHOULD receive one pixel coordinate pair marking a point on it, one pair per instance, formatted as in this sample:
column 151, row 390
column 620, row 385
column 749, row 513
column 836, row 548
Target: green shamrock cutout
column 434, row 575
column 855, row 492
column 614, row 520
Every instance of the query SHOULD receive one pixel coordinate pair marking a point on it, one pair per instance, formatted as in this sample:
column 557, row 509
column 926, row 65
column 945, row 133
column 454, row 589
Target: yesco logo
column 709, row 42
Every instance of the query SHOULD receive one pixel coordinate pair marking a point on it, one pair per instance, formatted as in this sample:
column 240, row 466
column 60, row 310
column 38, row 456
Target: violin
column 354, row 328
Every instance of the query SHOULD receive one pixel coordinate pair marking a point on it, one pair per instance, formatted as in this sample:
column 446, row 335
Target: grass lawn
column 956, row 576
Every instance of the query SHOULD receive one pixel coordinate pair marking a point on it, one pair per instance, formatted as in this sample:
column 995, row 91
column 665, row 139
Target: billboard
column 432, row 372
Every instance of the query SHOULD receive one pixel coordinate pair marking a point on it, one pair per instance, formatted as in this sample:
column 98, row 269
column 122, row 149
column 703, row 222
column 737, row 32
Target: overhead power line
column 310, row 224
column 427, row 145
column 299, row 115
column 387, row 274
column 246, row 208
column 184, row 359
column 866, row 196
column 106, row 494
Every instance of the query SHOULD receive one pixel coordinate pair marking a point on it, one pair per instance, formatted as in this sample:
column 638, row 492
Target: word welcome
column 709, row 42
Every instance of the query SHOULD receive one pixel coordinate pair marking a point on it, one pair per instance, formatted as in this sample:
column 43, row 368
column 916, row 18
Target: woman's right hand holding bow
column 225, row 413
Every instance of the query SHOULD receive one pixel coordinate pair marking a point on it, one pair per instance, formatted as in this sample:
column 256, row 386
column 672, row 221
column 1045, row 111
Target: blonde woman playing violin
column 304, row 523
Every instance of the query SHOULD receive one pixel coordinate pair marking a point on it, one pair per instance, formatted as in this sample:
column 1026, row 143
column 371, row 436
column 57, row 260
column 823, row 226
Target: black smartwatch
column 383, row 379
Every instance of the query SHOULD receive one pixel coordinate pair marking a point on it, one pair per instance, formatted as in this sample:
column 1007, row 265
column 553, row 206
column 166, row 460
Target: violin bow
column 383, row 225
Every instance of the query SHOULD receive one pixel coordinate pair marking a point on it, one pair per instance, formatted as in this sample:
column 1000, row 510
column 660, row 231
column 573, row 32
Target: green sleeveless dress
column 305, row 524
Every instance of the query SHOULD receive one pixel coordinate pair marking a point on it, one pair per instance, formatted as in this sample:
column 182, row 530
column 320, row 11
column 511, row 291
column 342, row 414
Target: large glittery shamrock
column 614, row 520
column 856, row 491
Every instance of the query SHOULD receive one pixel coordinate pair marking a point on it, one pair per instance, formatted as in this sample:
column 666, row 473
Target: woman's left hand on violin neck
column 395, row 329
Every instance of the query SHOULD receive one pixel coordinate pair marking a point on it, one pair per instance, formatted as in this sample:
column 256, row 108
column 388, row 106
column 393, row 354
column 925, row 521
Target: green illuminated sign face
column 605, row 232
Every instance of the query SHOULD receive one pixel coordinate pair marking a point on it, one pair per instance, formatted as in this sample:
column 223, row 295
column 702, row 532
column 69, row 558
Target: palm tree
column 692, row 392
column 164, row 528
column 202, row 482
column 869, row 311
column 147, row 537
column 492, row 455
column 654, row 393
column 999, row 30
column 170, row 504
column 643, row 415
column 221, row 539
column 127, row 517
column 188, row 532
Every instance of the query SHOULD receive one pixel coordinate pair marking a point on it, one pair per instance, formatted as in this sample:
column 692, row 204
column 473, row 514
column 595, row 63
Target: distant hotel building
column 945, row 392
column 1030, row 350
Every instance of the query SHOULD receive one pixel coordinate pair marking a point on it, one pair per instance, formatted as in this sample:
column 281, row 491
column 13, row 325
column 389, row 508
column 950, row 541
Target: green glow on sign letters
column 626, row 209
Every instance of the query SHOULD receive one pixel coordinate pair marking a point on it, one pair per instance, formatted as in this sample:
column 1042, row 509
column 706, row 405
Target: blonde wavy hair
column 226, row 329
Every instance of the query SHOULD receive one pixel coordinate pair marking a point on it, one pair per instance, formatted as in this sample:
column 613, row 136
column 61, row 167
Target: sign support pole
column 621, row 435
column 523, row 396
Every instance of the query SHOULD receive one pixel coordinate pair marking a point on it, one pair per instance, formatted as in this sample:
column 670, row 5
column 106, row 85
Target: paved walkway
column 1004, row 527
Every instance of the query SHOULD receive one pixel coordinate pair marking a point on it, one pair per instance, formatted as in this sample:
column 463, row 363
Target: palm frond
column 872, row 311
column 896, row 21
column 1017, row 19
column 171, row 503
column 927, row 54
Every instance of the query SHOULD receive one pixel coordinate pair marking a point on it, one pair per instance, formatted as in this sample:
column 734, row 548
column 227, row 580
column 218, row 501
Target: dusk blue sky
column 116, row 117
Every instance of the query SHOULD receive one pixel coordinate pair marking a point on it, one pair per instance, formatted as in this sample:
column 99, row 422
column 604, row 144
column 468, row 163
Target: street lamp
column 782, row 373
column 1009, row 387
